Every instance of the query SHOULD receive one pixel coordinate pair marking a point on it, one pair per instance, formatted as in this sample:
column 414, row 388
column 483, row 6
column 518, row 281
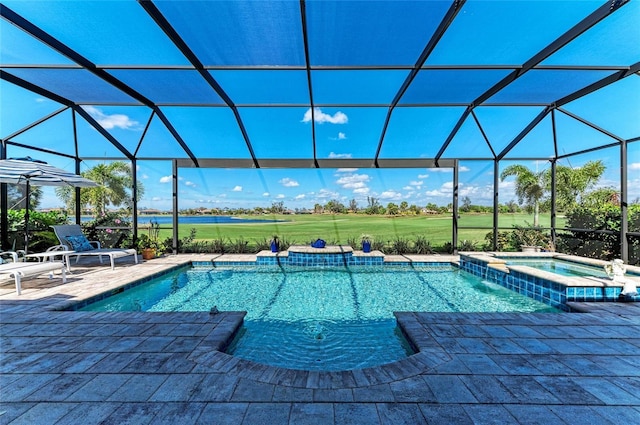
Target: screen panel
column 236, row 32
column 418, row 132
column 105, row 32
column 371, row 33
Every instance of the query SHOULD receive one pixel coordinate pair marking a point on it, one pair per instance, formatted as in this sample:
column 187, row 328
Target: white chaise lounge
column 19, row 270
column 71, row 236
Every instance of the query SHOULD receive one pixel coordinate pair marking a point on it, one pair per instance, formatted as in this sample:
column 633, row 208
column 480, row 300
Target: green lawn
column 339, row 228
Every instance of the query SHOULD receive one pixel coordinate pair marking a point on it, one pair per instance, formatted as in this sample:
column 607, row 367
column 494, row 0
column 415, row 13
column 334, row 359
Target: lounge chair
column 71, row 236
column 19, row 269
column 10, row 256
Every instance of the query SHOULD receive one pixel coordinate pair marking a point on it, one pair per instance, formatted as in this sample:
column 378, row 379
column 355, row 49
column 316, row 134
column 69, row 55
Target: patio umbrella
column 29, row 171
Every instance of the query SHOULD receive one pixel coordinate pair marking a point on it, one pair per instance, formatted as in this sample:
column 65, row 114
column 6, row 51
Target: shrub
column 505, row 242
column 529, row 236
column 400, row 246
column 377, row 245
column 219, row 246
column 422, row 245
column 447, row 247
column 595, row 244
column 239, row 246
column 467, row 245
column 41, row 236
column 354, row 242
column 263, row 244
column 110, row 229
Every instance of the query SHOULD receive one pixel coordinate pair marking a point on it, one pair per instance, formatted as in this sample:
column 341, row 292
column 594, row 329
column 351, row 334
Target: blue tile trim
column 546, row 291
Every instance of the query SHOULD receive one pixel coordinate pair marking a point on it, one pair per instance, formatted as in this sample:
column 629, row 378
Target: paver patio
column 65, row 367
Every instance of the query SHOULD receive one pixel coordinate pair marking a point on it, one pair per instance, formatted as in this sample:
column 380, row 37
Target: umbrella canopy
column 29, row 171
column 38, row 173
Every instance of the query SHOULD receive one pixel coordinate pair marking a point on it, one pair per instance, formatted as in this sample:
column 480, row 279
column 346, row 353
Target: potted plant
column 529, row 239
column 366, row 243
column 148, row 244
column 275, row 243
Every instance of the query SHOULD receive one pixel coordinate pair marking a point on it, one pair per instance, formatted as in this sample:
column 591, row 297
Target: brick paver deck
column 63, row 367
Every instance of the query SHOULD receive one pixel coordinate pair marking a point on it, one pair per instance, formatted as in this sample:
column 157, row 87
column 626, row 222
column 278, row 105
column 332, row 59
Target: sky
column 353, row 103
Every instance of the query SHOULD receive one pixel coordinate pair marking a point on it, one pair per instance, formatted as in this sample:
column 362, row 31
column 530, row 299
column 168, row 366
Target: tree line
column 532, row 190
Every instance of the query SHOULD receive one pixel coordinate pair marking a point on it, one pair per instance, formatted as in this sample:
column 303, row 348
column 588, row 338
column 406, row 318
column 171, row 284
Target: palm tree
column 114, row 183
column 530, row 187
column 17, row 196
column 573, row 183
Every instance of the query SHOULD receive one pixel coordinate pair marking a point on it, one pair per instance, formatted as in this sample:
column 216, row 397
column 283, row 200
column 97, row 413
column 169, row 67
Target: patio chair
column 71, row 236
column 19, row 269
column 11, row 256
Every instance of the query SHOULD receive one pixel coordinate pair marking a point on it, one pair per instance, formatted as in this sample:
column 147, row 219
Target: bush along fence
column 585, row 244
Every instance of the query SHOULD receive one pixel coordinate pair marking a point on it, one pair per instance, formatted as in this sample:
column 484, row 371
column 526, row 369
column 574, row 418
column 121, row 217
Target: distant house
column 46, row 210
column 149, row 211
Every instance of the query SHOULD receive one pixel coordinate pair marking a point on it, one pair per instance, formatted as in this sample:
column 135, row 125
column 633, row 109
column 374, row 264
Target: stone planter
column 530, row 248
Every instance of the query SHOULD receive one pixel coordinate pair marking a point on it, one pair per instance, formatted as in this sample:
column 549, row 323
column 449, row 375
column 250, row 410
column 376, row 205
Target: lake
column 194, row 219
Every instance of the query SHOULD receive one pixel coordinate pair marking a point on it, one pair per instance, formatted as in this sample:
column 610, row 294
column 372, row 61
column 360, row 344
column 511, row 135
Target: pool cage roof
column 214, row 83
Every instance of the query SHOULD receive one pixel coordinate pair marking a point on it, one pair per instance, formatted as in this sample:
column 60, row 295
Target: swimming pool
column 334, row 318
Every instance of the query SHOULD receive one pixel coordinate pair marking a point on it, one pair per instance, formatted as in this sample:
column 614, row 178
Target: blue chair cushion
column 79, row 243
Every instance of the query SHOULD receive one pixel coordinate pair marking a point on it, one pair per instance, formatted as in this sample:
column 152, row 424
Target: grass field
column 342, row 227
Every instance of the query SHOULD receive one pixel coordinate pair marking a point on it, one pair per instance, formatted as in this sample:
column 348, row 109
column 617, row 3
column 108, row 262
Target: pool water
column 563, row 268
column 321, row 318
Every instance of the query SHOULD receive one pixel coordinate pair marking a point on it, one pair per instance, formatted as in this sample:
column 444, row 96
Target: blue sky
column 102, row 32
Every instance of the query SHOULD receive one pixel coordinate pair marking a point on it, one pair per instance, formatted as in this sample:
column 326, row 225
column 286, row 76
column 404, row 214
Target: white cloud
column 280, row 196
column 471, row 190
column 222, row 195
column 474, row 192
column 326, row 193
column 265, row 194
column 144, row 176
column 390, row 194
column 301, row 196
column 423, row 176
column 189, row 183
column 346, row 170
column 41, row 99
column 237, row 189
column 156, row 198
column 633, row 189
column 320, row 117
column 341, row 136
column 165, row 179
column 111, row 121
column 288, row 182
column 353, row 181
column 334, row 155
column 463, row 169
column 440, row 170
column 416, row 184
column 634, row 166
column 407, row 188
column 361, row 190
